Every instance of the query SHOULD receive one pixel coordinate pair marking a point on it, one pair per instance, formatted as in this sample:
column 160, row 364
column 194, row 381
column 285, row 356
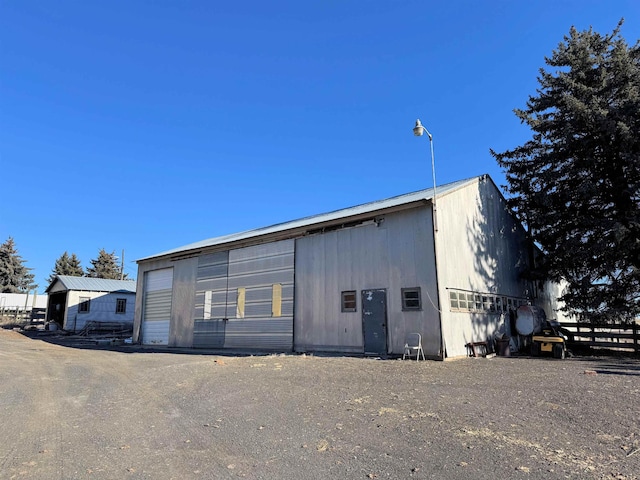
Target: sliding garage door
column 244, row 298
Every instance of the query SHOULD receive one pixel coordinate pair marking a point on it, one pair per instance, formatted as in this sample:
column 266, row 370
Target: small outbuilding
column 73, row 302
column 358, row 280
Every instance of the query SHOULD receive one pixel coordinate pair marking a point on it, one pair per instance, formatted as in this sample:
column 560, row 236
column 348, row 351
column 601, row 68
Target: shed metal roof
column 420, row 196
column 89, row 284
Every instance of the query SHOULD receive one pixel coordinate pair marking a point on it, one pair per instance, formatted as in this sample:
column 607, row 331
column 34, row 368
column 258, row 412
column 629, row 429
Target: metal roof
column 407, row 198
column 95, row 284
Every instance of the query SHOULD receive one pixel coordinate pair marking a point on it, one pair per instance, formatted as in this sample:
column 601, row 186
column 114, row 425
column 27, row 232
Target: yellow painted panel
column 240, row 302
column 276, row 300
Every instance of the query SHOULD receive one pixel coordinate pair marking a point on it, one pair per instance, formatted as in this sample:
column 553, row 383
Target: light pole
column 418, row 131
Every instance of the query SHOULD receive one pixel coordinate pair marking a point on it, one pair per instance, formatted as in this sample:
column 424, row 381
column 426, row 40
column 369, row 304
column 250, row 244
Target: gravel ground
column 76, row 413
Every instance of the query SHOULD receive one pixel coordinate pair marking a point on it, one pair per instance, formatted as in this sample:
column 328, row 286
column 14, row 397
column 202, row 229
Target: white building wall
column 551, row 305
column 480, row 248
column 22, row 301
column 102, row 308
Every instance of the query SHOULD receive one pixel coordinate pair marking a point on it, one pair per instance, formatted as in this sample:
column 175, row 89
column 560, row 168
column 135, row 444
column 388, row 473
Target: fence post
column 636, row 346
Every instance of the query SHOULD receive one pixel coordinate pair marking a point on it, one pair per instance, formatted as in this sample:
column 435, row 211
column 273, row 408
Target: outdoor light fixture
column 418, row 131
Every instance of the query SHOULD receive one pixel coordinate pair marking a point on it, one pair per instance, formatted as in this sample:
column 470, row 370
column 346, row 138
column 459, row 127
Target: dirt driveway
column 70, row 413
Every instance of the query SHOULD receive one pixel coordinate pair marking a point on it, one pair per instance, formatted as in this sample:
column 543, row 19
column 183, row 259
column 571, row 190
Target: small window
column 478, row 303
column 411, row 299
column 485, row 303
column 453, row 299
column 121, row 305
column 462, row 299
column 470, row 302
column 349, row 301
column 85, row 305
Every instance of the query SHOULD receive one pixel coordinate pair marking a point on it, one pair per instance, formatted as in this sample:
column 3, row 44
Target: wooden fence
column 615, row 336
column 21, row 314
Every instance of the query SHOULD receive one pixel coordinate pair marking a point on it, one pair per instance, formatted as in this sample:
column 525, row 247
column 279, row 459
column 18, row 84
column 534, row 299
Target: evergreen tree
column 66, row 265
column 105, row 266
column 576, row 183
column 15, row 277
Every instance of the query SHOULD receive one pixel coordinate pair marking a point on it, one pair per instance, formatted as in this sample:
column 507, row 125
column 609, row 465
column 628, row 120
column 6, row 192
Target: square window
column 121, row 305
column 462, row 300
column 453, row 299
column 411, row 299
column 84, row 305
column 348, row 301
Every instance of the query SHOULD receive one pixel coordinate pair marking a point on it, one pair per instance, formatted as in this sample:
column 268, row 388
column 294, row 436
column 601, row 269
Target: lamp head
column 419, row 130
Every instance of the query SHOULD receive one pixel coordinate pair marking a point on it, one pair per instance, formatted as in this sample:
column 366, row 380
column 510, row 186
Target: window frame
column 343, row 301
column 465, row 301
column 119, row 302
column 84, row 305
column 405, row 300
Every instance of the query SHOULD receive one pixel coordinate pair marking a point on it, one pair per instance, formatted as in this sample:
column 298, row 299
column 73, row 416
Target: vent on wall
column 357, row 223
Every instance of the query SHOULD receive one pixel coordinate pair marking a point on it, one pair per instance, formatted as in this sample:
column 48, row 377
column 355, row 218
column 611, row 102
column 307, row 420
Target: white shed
column 75, row 301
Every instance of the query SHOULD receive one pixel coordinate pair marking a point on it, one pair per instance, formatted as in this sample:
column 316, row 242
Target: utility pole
column 122, row 266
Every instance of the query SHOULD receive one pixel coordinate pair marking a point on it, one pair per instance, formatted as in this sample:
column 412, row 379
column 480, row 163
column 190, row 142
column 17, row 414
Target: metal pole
column 433, row 171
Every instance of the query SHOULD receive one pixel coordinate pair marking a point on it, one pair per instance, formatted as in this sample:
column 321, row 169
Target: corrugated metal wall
column 102, row 308
column 210, row 309
column 396, row 254
column 156, row 316
column 220, row 321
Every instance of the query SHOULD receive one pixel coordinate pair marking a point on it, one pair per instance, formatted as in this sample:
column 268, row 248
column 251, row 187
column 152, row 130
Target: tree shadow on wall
column 501, row 258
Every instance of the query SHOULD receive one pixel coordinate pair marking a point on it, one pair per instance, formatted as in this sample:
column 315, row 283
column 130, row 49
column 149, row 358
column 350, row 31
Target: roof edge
column 296, row 227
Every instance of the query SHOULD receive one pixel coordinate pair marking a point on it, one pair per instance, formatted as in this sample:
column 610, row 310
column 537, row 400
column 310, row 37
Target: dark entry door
column 374, row 321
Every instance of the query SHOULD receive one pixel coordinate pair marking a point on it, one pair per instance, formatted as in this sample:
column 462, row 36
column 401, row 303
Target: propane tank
column 530, row 319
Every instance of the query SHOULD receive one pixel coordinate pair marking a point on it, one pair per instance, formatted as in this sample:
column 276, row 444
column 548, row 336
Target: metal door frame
column 384, row 324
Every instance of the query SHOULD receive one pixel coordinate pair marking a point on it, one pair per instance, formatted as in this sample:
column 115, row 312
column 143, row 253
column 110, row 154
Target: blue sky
column 146, row 125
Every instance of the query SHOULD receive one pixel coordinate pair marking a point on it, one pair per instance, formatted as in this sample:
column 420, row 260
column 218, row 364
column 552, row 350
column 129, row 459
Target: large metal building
column 356, row 280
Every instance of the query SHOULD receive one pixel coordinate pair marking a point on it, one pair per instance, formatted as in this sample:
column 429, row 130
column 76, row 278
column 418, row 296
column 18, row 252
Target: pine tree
column 105, row 266
column 66, row 265
column 576, row 183
column 15, row 277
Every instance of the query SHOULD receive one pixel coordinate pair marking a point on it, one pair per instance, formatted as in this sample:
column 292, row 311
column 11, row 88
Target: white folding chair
column 413, row 343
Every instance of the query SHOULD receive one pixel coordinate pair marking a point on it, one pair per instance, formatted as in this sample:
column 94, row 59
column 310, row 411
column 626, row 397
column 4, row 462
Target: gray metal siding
column 209, row 329
column 396, row 254
column 256, row 269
